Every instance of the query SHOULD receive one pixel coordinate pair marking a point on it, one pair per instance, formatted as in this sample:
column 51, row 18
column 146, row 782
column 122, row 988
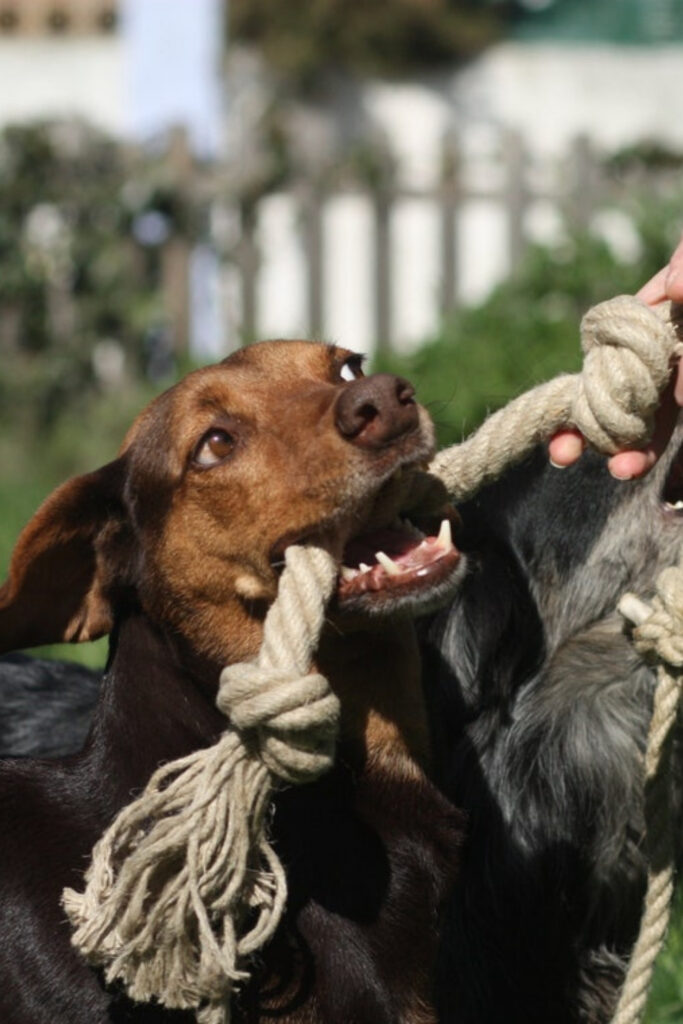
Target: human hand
column 567, row 445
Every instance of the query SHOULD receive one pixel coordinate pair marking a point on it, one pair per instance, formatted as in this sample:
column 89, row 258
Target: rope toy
column 184, row 885
column 187, row 866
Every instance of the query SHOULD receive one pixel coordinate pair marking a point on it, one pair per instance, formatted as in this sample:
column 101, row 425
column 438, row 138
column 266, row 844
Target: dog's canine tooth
column 445, row 538
column 388, row 564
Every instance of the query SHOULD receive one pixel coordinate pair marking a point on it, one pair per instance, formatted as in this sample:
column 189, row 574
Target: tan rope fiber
column 184, row 885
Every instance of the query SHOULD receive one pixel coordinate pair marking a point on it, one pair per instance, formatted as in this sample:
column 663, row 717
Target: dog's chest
column 370, row 862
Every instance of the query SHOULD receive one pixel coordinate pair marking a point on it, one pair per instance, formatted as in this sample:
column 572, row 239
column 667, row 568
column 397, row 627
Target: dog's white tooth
column 347, row 573
column 388, row 564
column 445, row 538
column 364, row 567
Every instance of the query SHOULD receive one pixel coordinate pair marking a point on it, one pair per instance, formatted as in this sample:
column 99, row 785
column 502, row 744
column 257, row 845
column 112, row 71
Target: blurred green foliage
column 79, row 293
column 528, row 329
column 302, row 41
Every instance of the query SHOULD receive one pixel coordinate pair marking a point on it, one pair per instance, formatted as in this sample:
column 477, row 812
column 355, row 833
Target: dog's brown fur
column 179, row 561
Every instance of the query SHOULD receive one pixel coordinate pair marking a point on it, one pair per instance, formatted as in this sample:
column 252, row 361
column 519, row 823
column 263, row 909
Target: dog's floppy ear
column 61, row 567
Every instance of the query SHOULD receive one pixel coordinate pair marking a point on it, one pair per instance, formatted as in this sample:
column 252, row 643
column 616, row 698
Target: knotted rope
column 187, row 866
column 628, row 349
column 184, row 885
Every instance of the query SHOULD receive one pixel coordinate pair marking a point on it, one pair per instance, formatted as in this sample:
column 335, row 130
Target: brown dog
column 175, row 549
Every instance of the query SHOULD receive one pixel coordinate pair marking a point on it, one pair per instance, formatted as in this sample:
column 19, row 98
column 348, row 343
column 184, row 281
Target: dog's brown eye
column 215, row 447
column 352, row 368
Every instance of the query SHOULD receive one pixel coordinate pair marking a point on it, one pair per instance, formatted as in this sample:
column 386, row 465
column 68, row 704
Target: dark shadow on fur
column 46, row 706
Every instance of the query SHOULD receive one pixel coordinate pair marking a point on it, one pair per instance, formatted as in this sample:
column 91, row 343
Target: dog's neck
column 376, row 674
column 158, row 701
column 151, row 710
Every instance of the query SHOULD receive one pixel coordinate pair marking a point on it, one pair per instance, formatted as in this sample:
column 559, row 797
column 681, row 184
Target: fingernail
column 621, row 476
column 557, row 465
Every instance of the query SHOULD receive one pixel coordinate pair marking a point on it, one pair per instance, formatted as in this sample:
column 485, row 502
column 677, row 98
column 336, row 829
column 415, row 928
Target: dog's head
column 283, row 442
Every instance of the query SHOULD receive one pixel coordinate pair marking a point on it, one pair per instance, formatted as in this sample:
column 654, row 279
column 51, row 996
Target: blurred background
column 445, row 185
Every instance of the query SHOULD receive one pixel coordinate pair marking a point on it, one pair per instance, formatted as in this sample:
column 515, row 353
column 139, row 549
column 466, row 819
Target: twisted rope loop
column 628, row 350
column 184, row 885
column 661, row 633
column 627, row 361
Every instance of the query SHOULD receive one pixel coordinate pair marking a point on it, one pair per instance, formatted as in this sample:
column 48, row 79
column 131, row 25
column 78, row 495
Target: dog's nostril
column 367, row 412
column 354, row 418
column 405, row 392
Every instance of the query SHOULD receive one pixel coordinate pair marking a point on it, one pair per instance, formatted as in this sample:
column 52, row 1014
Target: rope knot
column 292, row 718
column 661, row 633
column 628, row 349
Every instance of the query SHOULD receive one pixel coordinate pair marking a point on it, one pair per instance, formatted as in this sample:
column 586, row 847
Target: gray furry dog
column 541, row 709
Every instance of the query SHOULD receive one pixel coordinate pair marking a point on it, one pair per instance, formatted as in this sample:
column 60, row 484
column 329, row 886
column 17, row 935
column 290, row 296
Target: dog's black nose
column 373, row 411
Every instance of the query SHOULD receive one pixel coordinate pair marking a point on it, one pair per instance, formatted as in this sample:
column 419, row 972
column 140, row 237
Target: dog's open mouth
column 396, row 557
column 400, row 557
column 399, row 568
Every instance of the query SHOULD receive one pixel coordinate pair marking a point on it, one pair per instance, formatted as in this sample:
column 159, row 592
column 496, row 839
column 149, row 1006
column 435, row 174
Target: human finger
column 629, row 465
column 655, row 290
column 565, row 447
column 674, row 276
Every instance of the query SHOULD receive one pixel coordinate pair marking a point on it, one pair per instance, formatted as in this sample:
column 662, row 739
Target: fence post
column 383, row 325
column 450, row 201
column 175, row 256
column 314, row 247
column 248, row 260
column 516, row 195
column 584, row 191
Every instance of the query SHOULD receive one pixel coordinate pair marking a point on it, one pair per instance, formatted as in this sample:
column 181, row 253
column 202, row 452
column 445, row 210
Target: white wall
column 550, row 94
column 43, row 78
column 615, row 95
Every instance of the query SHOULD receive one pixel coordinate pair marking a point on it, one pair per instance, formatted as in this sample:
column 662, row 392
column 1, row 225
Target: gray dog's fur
column 541, row 714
